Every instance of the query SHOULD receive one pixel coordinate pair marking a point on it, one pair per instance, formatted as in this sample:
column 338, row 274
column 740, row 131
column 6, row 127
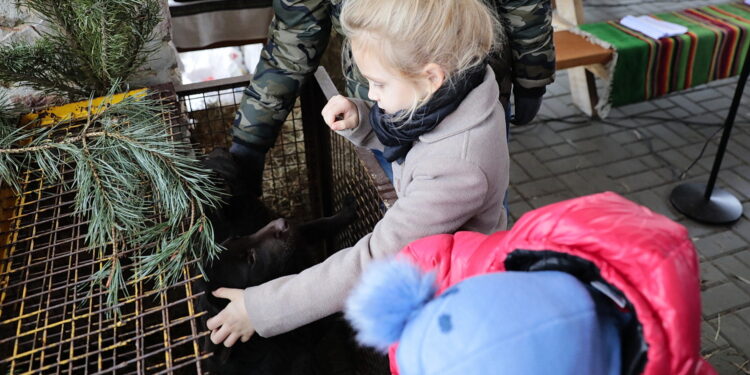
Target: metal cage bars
column 45, row 327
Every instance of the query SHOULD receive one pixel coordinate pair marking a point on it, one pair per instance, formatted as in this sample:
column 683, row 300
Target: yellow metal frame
column 50, row 116
column 78, row 110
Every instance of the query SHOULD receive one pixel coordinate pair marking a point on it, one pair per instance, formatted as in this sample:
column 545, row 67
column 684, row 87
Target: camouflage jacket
column 298, row 36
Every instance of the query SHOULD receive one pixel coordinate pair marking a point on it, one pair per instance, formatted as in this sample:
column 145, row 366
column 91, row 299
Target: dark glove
column 251, row 161
column 526, row 104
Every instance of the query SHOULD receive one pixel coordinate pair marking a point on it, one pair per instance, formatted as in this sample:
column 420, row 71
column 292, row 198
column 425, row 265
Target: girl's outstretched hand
column 340, row 113
column 232, row 323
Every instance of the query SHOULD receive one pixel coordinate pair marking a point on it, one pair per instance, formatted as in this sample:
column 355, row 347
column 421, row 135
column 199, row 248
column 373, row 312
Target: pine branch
column 92, row 46
column 135, row 185
column 44, row 67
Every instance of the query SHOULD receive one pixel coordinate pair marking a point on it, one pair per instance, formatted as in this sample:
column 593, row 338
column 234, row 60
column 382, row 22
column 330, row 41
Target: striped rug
column 714, row 48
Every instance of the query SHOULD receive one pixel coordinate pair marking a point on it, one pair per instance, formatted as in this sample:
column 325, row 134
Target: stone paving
column 641, row 151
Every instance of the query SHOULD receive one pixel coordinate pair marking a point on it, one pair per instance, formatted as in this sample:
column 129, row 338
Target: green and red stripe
column 714, row 47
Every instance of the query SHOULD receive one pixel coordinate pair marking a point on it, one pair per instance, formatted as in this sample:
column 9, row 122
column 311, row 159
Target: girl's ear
column 435, row 76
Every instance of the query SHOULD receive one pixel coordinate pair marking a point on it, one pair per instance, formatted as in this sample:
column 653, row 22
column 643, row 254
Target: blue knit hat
column 499, row 323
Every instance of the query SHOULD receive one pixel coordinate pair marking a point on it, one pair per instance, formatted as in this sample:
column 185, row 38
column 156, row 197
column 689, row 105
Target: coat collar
column 472, row 112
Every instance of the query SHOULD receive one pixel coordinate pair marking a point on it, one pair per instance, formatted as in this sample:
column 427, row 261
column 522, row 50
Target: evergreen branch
column 71, row 140
column 91, row 46
column 44, row 66
column 135, row 184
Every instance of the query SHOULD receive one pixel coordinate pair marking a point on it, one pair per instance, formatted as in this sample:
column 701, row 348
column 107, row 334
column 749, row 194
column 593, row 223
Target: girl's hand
column 340, row 113
column 232, row 323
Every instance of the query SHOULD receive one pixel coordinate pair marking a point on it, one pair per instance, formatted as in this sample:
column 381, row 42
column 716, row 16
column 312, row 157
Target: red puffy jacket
column 647, row 259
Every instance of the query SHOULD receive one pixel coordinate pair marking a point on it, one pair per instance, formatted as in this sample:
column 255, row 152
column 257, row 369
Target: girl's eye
column 377, row 84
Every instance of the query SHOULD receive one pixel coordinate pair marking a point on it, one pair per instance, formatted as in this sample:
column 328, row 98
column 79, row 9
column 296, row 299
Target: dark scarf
column 398, row 136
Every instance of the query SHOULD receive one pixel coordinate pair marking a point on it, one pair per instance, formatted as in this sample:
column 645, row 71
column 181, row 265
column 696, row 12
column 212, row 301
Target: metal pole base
column 722, row 208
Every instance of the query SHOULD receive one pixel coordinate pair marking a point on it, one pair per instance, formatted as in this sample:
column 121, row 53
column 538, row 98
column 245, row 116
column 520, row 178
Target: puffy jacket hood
column 639, row 259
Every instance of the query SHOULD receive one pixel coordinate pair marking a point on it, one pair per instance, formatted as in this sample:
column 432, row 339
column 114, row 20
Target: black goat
column 259, row 250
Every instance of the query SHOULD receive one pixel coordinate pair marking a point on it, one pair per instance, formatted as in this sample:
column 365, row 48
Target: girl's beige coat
column 454, row 178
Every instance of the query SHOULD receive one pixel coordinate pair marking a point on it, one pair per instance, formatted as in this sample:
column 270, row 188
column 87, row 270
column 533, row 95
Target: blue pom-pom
column 388, row 295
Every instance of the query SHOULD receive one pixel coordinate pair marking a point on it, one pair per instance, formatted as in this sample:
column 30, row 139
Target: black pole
column 708, row 203
column 728, row 127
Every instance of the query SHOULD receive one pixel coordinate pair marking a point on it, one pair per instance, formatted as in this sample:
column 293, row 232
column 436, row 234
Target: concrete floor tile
column 736, row 331
column 711, row 276
column 532, row 166
column 641, row 181
column 711, row 338
column 576, row 157
column 719, row 244
column 722, row 299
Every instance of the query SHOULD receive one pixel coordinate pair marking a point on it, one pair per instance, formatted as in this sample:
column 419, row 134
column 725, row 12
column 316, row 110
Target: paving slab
column 641, row 157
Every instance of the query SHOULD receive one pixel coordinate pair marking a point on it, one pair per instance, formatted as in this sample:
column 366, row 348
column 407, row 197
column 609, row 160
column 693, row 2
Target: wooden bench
column 583, row 59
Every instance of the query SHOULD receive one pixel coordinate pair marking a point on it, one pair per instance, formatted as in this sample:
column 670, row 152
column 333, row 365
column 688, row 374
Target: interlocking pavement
column 643, row 151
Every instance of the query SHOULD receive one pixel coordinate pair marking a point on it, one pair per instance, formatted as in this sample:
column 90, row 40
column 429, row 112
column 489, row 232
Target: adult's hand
column 232, row 323
column 526, row 104
column 251, row 161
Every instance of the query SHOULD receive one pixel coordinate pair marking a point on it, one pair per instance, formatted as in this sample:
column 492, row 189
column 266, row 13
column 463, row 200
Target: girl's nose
column 372, row 95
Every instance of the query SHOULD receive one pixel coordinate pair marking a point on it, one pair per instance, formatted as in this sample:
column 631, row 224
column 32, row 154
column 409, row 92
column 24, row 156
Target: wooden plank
column 573, row 50
column 583, row 90
column 559, row 23
column 570, row 10
column 598, row 70
column 326, row 83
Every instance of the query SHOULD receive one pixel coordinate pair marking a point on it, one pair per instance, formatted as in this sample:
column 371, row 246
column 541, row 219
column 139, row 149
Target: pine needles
column 136, row 186
column 91, row 46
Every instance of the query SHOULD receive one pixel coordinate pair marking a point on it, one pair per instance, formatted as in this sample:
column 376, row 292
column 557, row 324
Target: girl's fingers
column 217, row 337
column 231, row 340
column 215, row 322
column 342, row 124
column 328, row 116
column 338, row 109
column 225, row 293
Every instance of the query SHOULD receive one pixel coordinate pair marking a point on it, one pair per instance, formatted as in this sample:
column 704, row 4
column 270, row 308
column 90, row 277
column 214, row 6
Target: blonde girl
column 437, row 119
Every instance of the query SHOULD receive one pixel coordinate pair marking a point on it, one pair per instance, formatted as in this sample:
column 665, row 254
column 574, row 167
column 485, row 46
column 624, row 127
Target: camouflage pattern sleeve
column 529, row 31
column 297, row 37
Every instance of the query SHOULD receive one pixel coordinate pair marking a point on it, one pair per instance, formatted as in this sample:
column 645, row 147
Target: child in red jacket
column 592, row 263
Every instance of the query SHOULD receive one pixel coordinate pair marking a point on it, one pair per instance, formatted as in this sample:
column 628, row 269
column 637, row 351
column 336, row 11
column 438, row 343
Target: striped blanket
column 715, row 47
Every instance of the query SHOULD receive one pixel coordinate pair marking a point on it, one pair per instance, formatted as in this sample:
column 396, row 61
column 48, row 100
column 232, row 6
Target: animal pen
column 51, row 323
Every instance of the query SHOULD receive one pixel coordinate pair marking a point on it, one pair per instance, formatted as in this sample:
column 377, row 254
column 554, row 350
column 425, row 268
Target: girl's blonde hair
column 409, row 34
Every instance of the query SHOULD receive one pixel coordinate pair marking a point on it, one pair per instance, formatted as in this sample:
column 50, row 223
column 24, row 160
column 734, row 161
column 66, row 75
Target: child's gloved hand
column 526, row 104
column 232, row 323
column 340, row 113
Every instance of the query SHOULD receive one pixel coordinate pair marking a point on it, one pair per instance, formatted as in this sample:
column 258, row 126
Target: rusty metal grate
column 210, row 110
column 310, row 170
column 354, row 171
column 50, row 322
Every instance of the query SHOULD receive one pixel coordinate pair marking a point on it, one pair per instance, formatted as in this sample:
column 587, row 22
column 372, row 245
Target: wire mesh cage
column 349, row 171
column 309, row 172
column 210, row 110
column 50, row 324
column 52, row 321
